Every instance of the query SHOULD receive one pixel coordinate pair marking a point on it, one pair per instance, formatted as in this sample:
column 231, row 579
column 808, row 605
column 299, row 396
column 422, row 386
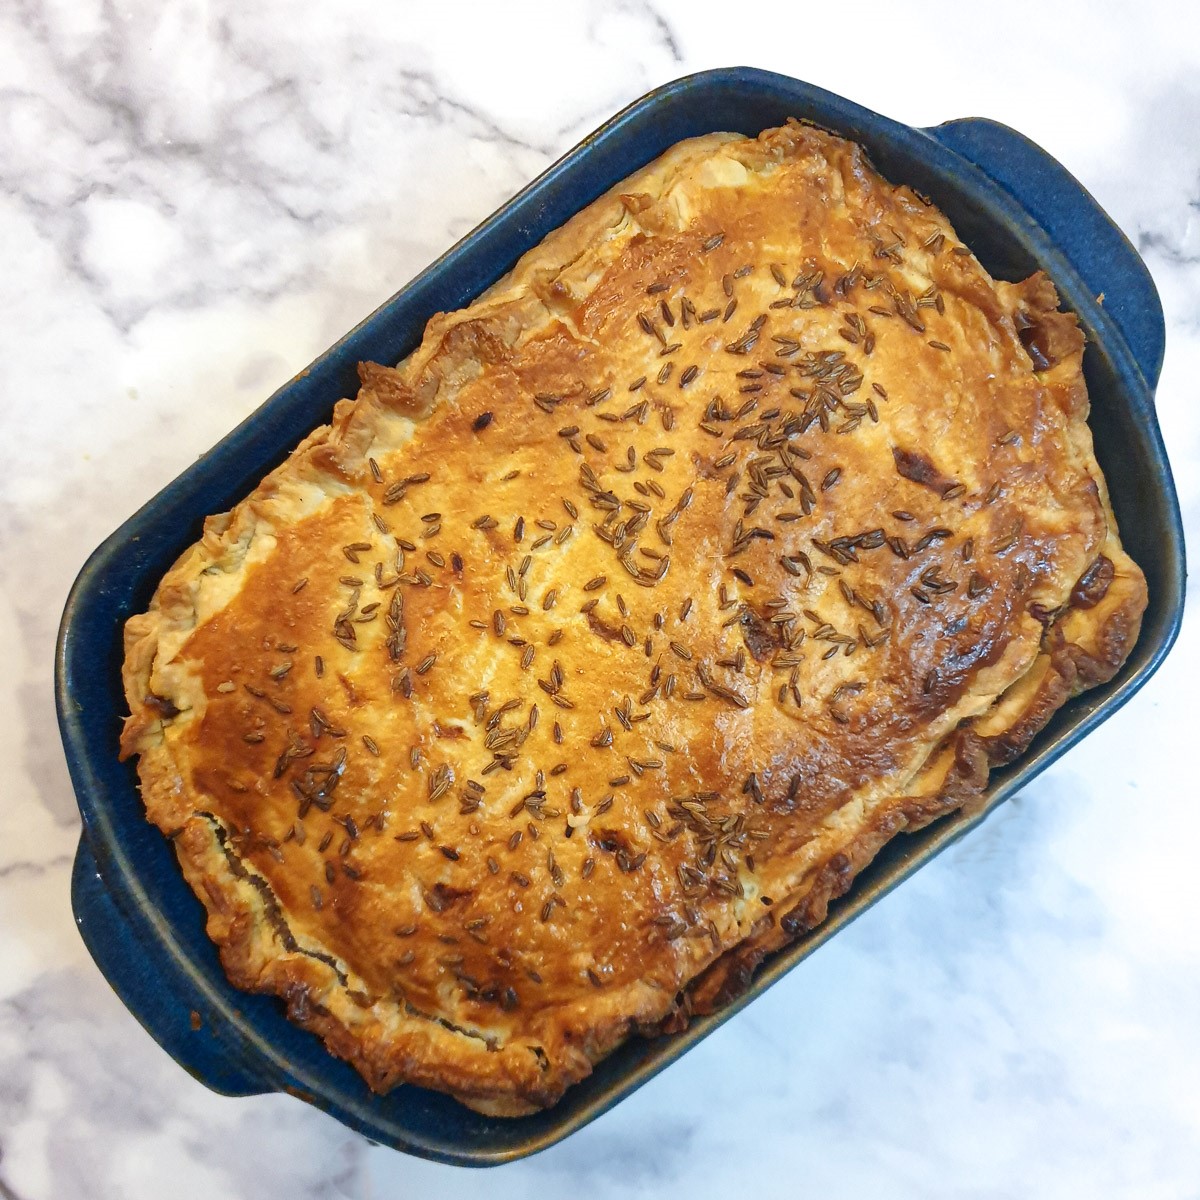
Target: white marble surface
column 195, row 199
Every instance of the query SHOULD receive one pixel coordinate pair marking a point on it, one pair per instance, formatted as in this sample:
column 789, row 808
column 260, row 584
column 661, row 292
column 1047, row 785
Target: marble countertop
column 196, row 199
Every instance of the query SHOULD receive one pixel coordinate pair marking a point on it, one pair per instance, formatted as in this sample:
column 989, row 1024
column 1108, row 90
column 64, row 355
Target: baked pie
column 592, row 650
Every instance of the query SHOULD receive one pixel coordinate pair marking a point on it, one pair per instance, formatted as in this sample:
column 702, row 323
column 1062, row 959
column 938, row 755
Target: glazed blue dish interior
column 1017, row 209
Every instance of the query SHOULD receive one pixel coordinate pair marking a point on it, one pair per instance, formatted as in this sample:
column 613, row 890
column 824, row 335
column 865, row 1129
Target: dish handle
column 1085, row 233
column 190, row 1037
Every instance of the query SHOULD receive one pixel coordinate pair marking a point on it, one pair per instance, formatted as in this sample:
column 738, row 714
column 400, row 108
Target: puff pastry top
column 590, row 651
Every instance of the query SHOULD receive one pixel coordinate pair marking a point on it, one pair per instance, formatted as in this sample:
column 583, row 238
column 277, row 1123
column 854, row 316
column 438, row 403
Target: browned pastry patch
column 592, row 651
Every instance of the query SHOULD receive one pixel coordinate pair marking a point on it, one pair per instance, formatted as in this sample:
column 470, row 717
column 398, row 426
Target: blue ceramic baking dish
column 1012, row 203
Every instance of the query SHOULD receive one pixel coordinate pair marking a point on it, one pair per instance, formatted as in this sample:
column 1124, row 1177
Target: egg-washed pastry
column 590, row 652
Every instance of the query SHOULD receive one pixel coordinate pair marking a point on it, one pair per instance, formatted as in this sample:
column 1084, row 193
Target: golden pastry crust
column 591, row 651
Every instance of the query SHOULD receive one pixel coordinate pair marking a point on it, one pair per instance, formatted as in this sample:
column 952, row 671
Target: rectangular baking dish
column 1013, row 204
